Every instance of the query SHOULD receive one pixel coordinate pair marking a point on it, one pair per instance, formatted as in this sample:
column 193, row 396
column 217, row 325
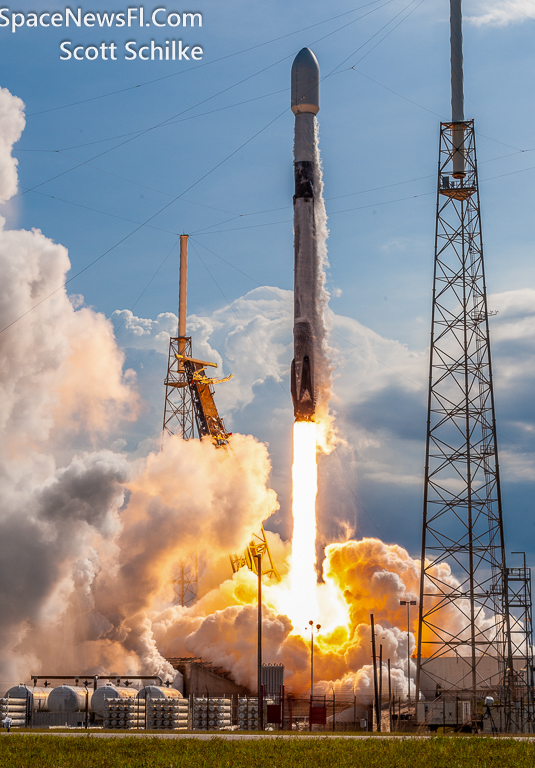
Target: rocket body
column 305, row 106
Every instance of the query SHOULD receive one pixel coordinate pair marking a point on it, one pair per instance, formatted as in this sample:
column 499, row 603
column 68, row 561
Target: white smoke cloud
column 324, row 364
column 12, row 124
column 62, row 391
column 89, row 537
column 61, row 368
column 44, row 530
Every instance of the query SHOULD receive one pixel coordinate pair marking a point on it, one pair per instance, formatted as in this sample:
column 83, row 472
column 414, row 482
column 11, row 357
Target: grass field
column 90, row 752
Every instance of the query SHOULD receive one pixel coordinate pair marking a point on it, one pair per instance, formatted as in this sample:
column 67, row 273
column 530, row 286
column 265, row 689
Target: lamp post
column 259, row 660
column 408, row 603
column 375, row 687
column 318, row 627
column 381, row 684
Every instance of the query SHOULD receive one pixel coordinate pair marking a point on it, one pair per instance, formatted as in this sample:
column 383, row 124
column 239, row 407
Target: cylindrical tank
column 38, row 696
column 107, row 692
column 159, row 692
column 68, row 698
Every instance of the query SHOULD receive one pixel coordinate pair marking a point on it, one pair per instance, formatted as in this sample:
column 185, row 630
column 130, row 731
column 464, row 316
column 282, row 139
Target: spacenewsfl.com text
column 132, row 17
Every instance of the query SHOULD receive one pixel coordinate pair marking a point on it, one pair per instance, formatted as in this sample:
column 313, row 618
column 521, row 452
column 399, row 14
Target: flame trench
column 303, row 577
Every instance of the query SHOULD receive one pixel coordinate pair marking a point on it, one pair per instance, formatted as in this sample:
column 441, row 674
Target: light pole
column 318, row 627
column 259, row 655
column 375, row 688
column 408, row 603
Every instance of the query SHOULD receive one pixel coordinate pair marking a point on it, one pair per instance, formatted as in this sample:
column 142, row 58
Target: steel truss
column 195, row 396
column 185, row 579
column 466, row 618
column 520, row 712
column 178, row 417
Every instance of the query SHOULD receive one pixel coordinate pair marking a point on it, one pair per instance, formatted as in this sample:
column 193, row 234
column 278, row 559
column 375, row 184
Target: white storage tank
column 38, row 696
column 159, row 692
column 109, row 692
column 69, row 698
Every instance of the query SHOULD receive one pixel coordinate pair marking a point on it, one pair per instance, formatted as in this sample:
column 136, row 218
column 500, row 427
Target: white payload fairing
column 305, row 106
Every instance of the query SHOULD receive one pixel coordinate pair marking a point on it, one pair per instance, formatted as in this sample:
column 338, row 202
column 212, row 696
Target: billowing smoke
column 325, row 366
column 88, row 537
column 63, row 389
column 311, row 297
column 368, row 576
column 189, row 497
column 12, row 124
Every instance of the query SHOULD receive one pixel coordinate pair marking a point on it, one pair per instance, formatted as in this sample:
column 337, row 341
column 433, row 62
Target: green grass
column 18, row 751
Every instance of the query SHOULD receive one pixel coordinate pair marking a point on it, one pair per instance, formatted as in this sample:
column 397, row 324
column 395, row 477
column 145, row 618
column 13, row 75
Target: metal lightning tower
column 178, row 417
column 190, row 407
column 189, row 393
column 462, row 520
column 189, row 403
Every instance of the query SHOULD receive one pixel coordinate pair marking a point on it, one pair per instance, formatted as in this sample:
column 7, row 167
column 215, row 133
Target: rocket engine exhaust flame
column 303, row 578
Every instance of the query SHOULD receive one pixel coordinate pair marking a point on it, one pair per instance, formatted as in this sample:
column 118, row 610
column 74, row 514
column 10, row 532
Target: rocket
column 305, row 106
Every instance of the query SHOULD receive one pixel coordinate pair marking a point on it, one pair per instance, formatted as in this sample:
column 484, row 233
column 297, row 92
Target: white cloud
column 517, row 466
column 250, row 338
column 499, row 13
column 394, row 479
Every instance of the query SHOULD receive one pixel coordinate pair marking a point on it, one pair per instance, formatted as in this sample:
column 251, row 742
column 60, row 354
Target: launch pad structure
column 189, row 395
column 484, row 620
column 190, row 410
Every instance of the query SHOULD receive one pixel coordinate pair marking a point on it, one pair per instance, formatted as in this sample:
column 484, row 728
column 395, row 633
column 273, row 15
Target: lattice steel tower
column 189, row 393
column 190, row 408
column 189, row 404
column 462, row 520
column 178, row 415
column 178, row 418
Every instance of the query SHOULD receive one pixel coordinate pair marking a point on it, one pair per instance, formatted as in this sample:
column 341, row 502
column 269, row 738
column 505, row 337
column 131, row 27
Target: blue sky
column 227, row 148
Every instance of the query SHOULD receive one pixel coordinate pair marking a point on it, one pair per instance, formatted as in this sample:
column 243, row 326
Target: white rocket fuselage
column 305, row 106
